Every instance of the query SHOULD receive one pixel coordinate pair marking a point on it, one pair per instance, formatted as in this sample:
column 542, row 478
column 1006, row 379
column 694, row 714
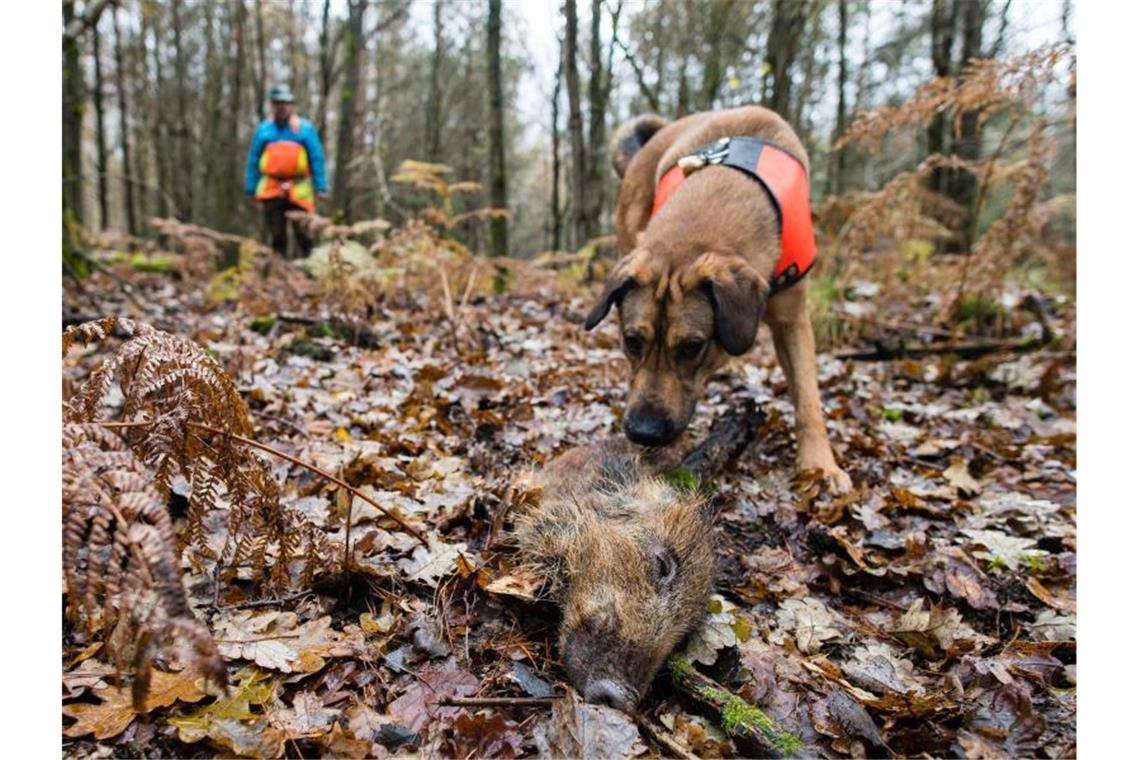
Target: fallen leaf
column 958, row 475
column 115, row 711
column 809, row 621
column 420, row 703
column 577, row 729
column 430, row 563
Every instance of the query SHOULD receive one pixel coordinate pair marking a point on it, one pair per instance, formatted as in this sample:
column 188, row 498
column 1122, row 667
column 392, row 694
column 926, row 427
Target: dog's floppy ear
column 738, row 295
column 622, row 279
column 617, row 286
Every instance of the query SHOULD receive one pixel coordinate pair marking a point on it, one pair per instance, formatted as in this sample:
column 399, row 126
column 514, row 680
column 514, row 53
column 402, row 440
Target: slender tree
column 836, row 164
column 498, row 167
column 124, row 127
column 72, row 118
column 435, row 86
column 349, row 97
column 100, row 127
column 579, row 225
column 788, row 20
column 556, row 161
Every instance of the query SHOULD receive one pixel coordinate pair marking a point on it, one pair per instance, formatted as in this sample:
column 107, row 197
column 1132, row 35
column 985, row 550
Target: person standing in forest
column 285, row 161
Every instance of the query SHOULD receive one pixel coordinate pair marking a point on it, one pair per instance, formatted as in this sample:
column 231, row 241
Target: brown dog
column 695, row 280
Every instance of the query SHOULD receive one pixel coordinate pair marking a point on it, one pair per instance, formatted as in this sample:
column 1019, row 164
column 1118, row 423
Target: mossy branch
column 755, row 730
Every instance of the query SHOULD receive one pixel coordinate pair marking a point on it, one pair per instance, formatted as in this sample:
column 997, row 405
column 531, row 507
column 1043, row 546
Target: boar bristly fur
column 631, row 562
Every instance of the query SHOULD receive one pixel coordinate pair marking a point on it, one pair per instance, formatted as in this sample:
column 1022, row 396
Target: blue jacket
column 269, row 131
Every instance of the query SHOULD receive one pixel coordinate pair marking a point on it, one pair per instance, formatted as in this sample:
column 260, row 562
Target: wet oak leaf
column 958, row 475
column 1000, row 548
column 808, row 621
column 429, row 564
column 930, row 631
column 308, row 717
column 420, row 703
column 115, row 711
column 717, row 630
column 482, row 735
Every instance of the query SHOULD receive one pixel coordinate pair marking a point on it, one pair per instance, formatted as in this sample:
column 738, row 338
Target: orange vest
column 284, row 167
column 780, row 174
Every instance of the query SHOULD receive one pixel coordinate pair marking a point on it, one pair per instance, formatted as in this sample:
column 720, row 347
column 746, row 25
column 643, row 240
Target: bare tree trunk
column 262, row 87
column 498, row 168
column 579, row 230
column 349, row 96
column 943, row 20
column 838, row 159
column 435, row 88
column 327, row 61
column 158, row 124
column 963, row 185
column 556, row 163
column 72, row 120
column 814, row 40
column 100, row 128
column 213, row 178
column 235, row 151
column 598, row 95
column 124, row 128
column 184, row 186
column 788, row 21
column 716, row 17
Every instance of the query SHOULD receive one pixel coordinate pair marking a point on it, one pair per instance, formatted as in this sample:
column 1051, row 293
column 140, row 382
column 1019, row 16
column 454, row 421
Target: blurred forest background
column 161, row 100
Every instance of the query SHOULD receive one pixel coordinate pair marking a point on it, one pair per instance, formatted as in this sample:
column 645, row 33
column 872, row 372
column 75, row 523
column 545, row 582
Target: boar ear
column 738, row 295
column 626, row 275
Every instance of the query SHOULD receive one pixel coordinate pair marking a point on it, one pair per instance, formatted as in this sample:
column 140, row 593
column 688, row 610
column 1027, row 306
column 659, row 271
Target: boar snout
column 591, row 660
column 610, row 692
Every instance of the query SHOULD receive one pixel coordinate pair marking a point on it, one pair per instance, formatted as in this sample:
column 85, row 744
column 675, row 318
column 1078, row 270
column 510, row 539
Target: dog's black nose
column 649, row 428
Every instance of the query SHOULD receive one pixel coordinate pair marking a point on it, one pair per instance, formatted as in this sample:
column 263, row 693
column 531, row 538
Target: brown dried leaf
column 577, row 729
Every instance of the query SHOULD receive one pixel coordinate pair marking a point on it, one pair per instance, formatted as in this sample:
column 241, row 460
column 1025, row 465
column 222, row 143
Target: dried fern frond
column 119, row 561
column 987, row 87
column 180, row 413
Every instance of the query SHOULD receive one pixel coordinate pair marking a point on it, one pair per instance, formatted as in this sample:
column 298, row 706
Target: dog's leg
column 795, row 348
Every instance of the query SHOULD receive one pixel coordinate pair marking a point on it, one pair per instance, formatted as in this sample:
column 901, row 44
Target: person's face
column 281, row 110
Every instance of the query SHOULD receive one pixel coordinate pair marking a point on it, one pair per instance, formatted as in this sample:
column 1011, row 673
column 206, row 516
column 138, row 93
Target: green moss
column 892, row 415
column 140, row 262
column 678, row 669
column 263, row 324
column 738, row 714
column 683, row 480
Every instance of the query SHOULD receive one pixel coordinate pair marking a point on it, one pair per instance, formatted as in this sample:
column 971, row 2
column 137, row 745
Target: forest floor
column 931, row 611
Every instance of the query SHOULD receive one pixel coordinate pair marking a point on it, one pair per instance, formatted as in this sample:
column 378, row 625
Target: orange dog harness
column 781, row 175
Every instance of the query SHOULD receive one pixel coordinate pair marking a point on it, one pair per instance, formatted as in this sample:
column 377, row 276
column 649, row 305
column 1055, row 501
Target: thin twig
column 266, row 602
column 663, row 740
column 497, row 701
column 413, row 531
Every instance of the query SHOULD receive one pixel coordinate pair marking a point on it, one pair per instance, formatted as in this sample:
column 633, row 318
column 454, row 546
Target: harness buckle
column 709, row 155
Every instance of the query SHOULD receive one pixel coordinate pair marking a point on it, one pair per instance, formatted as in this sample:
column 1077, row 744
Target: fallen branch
column 729, row 436
column 969, row 350
column 663, row 740
column 752, row 728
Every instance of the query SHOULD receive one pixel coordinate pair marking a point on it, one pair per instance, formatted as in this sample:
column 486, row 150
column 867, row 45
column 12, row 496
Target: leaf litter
column 931, row 611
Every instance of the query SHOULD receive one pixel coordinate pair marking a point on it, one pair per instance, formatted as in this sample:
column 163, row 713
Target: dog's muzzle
column 647, row 426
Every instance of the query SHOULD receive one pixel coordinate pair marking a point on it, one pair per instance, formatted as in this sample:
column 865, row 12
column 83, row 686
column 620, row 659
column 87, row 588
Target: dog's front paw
column 838, row 481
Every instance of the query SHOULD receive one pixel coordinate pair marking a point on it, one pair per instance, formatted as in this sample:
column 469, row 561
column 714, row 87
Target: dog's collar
column 781, row 175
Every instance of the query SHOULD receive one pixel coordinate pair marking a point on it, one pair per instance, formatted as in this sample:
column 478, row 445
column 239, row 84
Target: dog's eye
column 634, row 344
column 689, row 349
column 664, row 565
